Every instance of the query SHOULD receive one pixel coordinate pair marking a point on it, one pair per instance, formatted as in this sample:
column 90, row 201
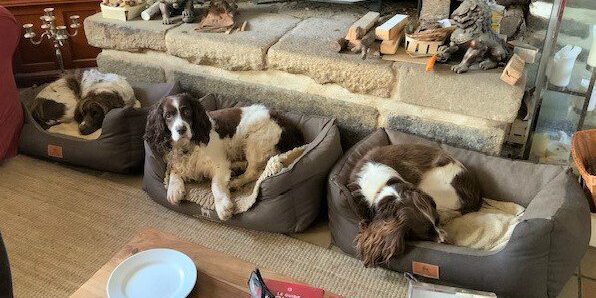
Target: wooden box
column 122, row 13
column 518, row 132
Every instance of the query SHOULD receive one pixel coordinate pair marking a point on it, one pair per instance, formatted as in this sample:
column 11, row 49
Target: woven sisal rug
column 60, row 226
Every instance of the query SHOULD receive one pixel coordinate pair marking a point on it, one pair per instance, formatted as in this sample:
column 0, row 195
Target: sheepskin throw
column 487, row 229
column 245, row 197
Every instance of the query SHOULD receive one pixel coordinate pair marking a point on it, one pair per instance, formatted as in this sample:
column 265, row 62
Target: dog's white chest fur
column 204, row 160
column 437, row 184
column 372, row 178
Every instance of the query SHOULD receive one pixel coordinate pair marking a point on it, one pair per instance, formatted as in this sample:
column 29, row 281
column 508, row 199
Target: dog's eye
column 168, row 115
column 185, row 111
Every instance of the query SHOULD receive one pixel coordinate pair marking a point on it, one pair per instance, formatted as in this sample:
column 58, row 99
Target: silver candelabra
column 56, row 34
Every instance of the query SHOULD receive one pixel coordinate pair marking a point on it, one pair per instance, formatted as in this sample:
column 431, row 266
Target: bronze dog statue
column 484, row 49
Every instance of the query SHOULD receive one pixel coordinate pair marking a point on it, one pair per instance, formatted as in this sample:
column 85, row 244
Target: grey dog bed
column 288, row 201
column 119, row 148
column 543, row 252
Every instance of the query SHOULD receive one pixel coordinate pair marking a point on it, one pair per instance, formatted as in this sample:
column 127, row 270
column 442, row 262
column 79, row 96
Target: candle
column 592, row 56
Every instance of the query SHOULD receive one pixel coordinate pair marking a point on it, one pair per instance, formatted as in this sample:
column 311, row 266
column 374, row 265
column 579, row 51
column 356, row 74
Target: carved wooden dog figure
column 484, row 49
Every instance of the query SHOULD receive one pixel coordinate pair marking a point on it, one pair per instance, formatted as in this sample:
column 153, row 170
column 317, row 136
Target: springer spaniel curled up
column 198, row 144
column 85, row 98
column 400, row 190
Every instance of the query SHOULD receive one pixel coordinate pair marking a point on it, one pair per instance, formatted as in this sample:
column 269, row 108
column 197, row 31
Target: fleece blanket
column 487, row 229
column 72, row 129
column 245, row 197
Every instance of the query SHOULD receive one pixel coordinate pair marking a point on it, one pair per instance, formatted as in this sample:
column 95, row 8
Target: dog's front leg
column 175, row 189
column 221, row 193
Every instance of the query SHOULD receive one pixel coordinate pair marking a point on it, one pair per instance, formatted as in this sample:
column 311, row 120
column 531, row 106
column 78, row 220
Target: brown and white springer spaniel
column 197, row 144
column 400, row 190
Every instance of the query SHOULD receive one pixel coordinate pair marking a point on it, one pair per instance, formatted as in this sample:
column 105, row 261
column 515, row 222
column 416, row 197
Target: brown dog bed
column 119, row 147
column 288, row 201
column 544, row 249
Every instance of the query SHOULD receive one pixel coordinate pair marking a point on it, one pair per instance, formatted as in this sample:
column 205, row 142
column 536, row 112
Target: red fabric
column 11, row 113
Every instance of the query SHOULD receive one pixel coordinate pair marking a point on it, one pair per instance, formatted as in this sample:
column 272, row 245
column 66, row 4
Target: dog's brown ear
column 201, row 126
column 380, row 240
column 157, row 133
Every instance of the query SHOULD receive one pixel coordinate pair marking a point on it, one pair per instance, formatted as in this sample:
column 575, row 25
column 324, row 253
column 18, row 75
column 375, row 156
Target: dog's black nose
column 181, row 130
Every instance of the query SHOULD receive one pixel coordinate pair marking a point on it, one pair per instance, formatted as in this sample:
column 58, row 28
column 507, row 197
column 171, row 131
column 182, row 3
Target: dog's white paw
column 175, row 193
column 224, row 209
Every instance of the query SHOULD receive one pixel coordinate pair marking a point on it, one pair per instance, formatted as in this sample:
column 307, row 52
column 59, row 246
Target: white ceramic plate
column 157, row 272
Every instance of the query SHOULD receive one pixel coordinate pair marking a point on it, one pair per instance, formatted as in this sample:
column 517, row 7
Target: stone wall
column 283, row 60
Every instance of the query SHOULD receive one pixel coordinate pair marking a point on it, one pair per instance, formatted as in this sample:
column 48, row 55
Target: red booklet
column 291, row 290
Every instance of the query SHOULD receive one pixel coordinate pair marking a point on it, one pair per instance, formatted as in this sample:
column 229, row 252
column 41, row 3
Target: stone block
column 434, row 10
column 130, row 66
column 305, row 50
column 134, row 35
column 244, row 50
column 476, row 93
column 355, row 121
column 487, row 140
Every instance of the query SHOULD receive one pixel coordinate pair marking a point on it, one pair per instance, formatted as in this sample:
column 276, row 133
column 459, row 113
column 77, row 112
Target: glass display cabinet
column 563, row 101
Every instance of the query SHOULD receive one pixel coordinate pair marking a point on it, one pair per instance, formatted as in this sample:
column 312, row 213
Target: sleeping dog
column 86, row 98
column 399, row 190
column 198, row 145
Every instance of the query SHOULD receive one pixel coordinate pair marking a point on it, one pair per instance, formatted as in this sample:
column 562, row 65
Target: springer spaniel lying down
column 400, row 190
column 85, row 98
column 198, row 145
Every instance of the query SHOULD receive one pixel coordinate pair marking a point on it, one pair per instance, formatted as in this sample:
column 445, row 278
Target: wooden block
column 360, row 27
column 514, row 70
column 339, row 45
column 528, row 54
column 389, row 47
column 392, row 28
column 518, row 131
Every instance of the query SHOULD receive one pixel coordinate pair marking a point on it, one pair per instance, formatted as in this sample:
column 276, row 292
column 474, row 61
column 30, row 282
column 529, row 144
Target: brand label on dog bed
column 55, row 151
column 426, row 270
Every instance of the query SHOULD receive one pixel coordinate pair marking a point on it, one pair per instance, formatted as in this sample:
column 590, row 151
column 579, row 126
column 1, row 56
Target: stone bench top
column 300, row 45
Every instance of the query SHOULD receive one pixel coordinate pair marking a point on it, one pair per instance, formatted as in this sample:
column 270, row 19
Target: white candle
column 592, row 56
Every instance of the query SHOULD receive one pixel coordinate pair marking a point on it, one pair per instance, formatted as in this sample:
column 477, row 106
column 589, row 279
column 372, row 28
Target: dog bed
column 117, row 148
column 288, row 200
column 545, row 246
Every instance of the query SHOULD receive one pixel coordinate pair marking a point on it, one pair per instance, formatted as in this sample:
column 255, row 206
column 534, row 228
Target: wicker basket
column 583, row 151
column 419, row 48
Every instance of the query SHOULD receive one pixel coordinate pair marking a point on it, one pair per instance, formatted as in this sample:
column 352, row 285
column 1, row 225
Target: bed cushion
column 543, row 252
column 288, row 201
column 119, row 148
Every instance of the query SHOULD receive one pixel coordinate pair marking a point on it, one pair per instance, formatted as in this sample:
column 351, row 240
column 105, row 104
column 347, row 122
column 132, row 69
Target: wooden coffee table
column 219, row 275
